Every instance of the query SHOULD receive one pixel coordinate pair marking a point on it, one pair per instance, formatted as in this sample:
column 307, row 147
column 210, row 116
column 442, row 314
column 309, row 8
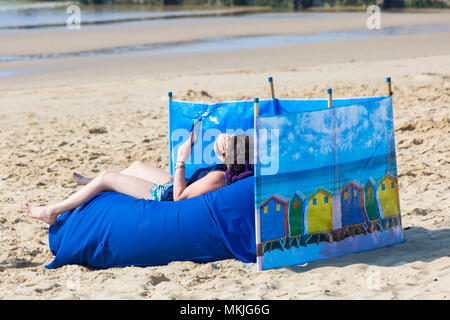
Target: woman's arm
column 179, row 181
column 211, row 182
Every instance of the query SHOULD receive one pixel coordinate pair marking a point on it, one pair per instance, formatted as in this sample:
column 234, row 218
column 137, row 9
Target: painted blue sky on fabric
column 304, row 141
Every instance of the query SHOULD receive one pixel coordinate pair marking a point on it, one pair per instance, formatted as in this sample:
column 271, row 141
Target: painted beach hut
column 352, row 205
column 274, row 217
column 320, row 211
column 388, row 196
column 296, row 214
column 370, row 201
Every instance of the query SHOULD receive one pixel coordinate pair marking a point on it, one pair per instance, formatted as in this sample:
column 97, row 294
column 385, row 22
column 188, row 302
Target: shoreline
column 219, row 12
column 173, row 30
column 224, row 12
column 223, row 42
column 300, row 60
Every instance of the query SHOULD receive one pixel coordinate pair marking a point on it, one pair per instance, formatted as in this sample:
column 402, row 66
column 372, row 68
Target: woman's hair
column 239, row 152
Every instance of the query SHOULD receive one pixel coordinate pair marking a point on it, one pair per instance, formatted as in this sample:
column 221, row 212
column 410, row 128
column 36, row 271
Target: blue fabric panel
column 295, row 106
column 328, row 154
column 230, row 117
column 224, row 117
column 113, row 229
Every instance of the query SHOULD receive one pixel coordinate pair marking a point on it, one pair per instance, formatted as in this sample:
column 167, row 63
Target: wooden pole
column 330, row 97
column 171, row 156
column 272, row 91
column 389, row 86
column 259, row 251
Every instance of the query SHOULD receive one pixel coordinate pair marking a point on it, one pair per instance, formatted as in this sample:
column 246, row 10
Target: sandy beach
column 49, row 108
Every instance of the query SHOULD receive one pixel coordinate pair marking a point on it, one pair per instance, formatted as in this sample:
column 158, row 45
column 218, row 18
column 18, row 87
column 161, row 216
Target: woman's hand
column 179, row 184
column 185, row 150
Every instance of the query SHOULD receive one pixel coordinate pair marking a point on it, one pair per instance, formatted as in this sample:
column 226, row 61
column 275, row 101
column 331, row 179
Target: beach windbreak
column 326, row 181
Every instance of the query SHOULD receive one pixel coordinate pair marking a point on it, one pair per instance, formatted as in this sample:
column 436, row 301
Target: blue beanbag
column 112, row 229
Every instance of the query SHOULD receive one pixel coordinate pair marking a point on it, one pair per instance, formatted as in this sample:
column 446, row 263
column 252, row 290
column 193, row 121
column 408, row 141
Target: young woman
column 141, row 180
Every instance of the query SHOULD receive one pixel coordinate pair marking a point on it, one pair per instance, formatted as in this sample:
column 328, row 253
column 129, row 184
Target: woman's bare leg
column 148, row 172
column 106, row 181
column 138, row 169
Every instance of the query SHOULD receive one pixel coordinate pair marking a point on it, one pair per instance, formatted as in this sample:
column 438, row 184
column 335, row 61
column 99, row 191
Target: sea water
column 39, row 14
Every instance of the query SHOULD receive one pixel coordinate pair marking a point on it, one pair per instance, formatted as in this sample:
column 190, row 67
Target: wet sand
column 46, row 115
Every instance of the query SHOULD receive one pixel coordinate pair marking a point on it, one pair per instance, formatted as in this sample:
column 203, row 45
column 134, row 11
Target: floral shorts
column 157, row 190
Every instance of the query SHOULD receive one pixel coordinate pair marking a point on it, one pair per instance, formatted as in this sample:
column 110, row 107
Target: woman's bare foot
column 45, row 214
column 79, row 179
